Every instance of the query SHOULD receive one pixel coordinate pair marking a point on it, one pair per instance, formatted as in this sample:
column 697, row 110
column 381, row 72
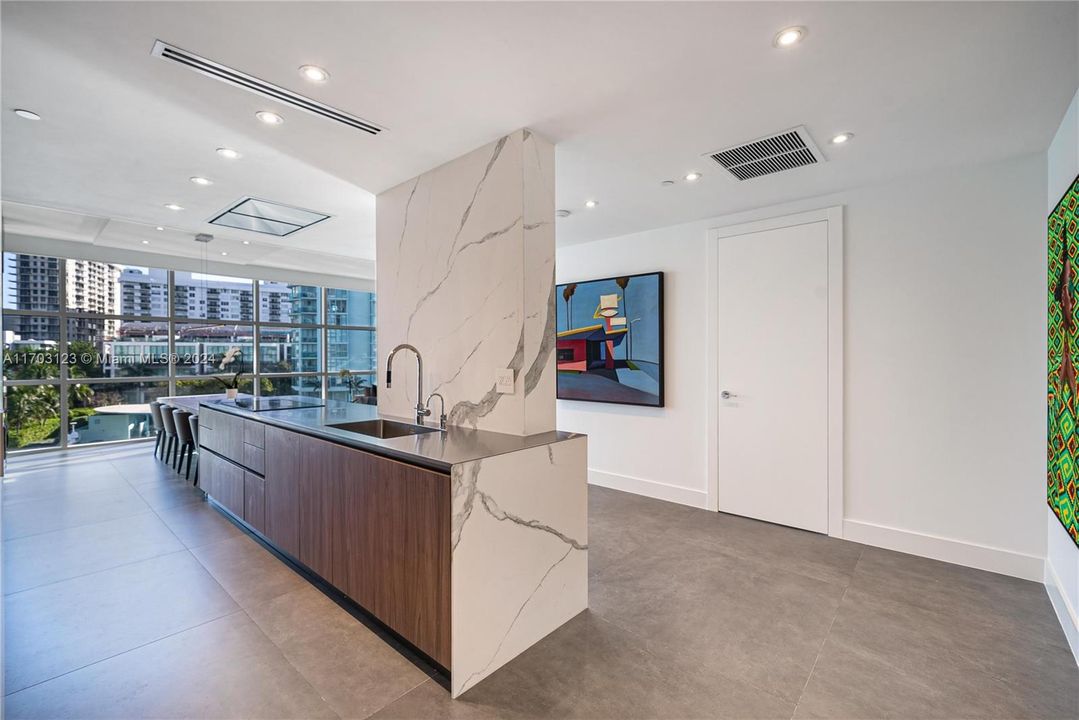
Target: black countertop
column 435, row 450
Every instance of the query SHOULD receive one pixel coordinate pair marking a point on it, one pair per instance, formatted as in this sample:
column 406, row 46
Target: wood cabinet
column 281, row 489
column 320, row 465
column 392, row 532
column 224, row 433
column 227, row 482
column 255, row 501
column 375, row 528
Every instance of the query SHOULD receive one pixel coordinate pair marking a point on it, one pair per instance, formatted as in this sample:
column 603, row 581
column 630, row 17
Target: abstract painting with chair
column 610, row 340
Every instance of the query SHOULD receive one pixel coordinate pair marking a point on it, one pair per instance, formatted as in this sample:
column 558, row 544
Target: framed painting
column 610, row 340
column 1063, row 321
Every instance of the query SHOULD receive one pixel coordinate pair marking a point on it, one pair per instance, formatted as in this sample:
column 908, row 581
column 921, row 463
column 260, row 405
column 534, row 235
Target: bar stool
column 170, row 431
column 159, row 426
column 193, row 421
column 187, row 442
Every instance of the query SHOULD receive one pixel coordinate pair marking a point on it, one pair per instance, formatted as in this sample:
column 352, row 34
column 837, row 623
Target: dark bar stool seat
column 171, row 440
column 187, row 441
column 159, row 426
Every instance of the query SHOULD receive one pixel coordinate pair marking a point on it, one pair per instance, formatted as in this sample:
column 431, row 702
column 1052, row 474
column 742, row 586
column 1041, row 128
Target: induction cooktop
column 271, row 403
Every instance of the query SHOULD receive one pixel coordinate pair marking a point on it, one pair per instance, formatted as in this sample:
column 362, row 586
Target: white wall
column 1062, row 560
column 944, row 384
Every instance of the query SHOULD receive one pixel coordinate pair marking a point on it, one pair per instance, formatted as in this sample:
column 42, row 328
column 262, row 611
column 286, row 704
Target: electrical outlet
column 504, row 381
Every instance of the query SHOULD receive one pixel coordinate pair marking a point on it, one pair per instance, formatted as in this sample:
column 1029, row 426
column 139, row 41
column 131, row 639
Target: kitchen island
column 470, row 545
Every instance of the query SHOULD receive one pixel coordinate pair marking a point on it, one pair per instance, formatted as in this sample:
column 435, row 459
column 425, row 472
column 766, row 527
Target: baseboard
column 1066, row 614
column 649, row 488
column 982, row 557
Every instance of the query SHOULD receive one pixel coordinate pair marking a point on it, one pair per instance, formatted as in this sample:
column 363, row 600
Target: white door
column 773, row 375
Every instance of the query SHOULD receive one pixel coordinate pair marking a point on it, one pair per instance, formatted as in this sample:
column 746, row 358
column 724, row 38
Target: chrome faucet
column 442, row 404
column 421, row 411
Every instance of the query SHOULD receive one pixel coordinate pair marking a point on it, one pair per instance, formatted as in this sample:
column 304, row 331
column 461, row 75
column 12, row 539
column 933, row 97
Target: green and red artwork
column 1063, row 445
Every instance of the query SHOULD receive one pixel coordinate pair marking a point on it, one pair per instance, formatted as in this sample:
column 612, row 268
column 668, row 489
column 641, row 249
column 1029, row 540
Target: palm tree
column 567, row 293
column 622, row 282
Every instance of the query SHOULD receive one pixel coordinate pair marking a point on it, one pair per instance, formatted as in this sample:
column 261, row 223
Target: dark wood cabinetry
column 255, row 501
column 282, row 496
column 375, row 528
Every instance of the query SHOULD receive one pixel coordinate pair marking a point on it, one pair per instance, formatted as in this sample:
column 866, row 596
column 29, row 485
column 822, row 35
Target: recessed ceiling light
column 229, row 153
column 224, row 253
column 202, row 181
column 270, row 118
column 790, row 36
column 247, row 242
column 145, row 242
column 562, row 213
column 314, row 73
column 174, row 206
column 27, row 114
column 667, row 183
column 160, row 228
column 590, row 203
column 693, row 177
column 842, row 138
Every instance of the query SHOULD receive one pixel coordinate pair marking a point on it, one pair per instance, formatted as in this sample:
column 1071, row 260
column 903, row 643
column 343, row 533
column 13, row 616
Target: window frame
column 64, row 314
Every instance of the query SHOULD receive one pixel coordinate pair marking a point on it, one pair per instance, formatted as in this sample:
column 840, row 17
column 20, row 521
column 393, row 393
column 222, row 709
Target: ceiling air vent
column 263, row 216
column 260, row 87
column 775, row 153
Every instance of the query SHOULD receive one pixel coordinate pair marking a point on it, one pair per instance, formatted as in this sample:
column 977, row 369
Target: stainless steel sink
column 383, row 428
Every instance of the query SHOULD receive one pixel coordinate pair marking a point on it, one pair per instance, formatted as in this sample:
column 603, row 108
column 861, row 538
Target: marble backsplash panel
column 465, row 272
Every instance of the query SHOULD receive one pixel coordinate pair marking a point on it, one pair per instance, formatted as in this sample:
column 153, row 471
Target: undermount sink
column 383, row 429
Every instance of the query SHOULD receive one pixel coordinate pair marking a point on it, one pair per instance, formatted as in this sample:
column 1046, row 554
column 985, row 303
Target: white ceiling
column 631, row 93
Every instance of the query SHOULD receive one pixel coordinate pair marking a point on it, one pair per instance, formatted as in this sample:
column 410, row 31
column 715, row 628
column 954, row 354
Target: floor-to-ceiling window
column 88, row 344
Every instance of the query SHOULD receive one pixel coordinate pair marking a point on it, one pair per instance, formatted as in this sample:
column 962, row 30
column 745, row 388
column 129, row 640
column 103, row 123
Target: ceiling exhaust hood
column 247, row 82
column 269, row 218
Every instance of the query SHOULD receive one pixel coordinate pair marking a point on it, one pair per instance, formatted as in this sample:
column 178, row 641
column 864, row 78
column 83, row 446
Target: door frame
column 833, row 216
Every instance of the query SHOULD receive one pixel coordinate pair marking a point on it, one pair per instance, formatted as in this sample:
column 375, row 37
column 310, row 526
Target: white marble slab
column 465, row 257
column 520, row 554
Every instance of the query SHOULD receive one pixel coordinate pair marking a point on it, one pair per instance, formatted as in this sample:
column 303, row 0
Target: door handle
column 727, row 395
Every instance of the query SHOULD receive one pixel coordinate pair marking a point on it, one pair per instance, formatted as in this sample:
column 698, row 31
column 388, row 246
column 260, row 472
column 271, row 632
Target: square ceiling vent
column 269, row 218
column 782, row 151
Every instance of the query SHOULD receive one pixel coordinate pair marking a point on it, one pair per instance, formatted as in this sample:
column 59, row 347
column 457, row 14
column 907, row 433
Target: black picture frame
column 661, row 330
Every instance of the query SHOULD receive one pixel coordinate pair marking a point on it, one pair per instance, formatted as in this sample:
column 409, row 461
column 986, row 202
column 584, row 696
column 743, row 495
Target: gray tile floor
column 127, row 596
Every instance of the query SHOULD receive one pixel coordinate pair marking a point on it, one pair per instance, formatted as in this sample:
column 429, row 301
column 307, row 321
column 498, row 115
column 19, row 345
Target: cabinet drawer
column 255, row 434
column 255, row 501
column 254, row 459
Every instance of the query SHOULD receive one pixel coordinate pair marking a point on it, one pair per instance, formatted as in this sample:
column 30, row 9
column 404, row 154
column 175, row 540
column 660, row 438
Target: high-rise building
column 91, row 287
column 145, row 293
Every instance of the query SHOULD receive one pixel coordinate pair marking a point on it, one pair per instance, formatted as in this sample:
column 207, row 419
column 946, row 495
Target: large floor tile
column 143, row 469
column 353, row 669
column 222, row 669
column 62, row 554
column 57, row 512
column 592, row 669
column 165, row 494
column 926, row 648
column 999, row 603
column 247, row 571
column 61, row 627
column 780, row 548
column 728, row 615
column 62, row 479
column 198, row 524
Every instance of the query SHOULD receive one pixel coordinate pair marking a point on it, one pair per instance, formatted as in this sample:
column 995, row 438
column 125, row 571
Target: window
column 88, row 345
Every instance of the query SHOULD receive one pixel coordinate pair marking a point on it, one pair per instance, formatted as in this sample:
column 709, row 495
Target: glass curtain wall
column 88, row 345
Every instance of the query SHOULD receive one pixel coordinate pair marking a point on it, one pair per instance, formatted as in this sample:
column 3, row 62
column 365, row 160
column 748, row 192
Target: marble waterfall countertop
column 438, row 450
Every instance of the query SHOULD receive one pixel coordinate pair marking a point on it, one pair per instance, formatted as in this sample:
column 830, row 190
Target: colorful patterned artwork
column 1063, row 445
column 610, row 340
